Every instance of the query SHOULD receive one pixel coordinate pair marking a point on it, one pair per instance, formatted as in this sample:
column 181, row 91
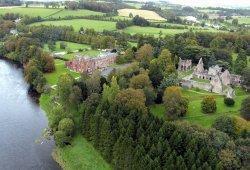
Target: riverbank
column 22, row 124
column 80, row 154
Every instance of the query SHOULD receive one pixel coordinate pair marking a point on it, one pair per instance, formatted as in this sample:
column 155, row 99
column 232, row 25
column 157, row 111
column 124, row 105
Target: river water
column 21, row 125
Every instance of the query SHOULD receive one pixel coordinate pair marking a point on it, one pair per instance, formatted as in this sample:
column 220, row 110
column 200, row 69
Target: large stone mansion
column 219, row 81
column 89, row 64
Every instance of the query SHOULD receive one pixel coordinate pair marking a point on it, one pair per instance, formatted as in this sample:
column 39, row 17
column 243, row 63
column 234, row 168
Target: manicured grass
column 31, row 11
column 195, row 114
column 150, row 15
column 80, row 155
column 85, row 23
column 52, row 78
column 91, row 53
column 152, row 30
column 69, row 46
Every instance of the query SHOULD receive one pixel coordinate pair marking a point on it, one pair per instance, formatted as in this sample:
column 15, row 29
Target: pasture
column 85, row 23
column 152, row 30
column 150, row 15
column 31, row 11
column 195, row 114
column 48, row 12
column 79, row 12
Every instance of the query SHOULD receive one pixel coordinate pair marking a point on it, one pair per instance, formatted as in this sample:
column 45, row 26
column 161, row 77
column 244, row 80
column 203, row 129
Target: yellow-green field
column 150, row 15
column 85, row 23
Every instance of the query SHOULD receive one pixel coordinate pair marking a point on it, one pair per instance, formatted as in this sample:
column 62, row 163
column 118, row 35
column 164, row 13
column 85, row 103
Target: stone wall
column 195, row 84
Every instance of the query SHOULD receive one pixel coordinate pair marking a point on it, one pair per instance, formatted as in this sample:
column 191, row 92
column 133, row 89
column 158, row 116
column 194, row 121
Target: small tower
column 199, row 68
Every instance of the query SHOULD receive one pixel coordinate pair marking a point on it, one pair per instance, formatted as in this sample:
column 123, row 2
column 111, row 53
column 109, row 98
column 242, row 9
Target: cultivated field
column 150, row 15
column 85, row 23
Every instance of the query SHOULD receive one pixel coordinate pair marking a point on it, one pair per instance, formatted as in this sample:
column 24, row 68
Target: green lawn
column 195, row 115
column 85, row 23
column 31, row 11
column 52, row 78
column 69, row 45
column 80, row 155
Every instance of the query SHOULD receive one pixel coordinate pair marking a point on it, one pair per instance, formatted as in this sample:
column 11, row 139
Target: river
column 21, row 124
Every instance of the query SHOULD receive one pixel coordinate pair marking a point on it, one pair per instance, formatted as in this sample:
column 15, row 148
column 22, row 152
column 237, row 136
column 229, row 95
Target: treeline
column 64, row 33
column 140, row 21
column 106, row 7
column 28, row 52
column 10, row 3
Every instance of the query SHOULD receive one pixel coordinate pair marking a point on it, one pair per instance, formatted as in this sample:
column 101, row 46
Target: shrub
column 225, row 124
column 61, row 139
column 63, row 45
column 208, row 104
column 66, row 125
column 245, row 108
column 229, row 101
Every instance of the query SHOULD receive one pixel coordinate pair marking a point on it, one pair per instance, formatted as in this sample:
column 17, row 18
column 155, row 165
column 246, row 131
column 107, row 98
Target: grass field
column 45, row 12
column 195, row 115
column 80, row 155
column 34, row 11
column 85, row 23
column 242, row 19
column 52, row 78
column 152, row 30
column 79, row 12
column 150, row 15
column 69, row 46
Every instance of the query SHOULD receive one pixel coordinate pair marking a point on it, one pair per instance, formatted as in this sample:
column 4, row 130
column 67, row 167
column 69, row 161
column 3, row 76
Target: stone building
column 213, row 72
column 184, row 65
column 88, row 64
column 219, row 81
